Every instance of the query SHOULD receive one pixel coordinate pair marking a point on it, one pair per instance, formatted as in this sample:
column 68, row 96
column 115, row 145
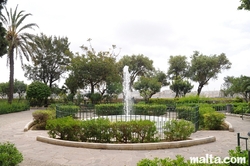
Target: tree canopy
column 51, row 56
column 203, row 68
column 138, row 65
column 244, row 5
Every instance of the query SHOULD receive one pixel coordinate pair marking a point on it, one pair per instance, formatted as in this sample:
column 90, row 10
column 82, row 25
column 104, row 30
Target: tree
column 94, row 71
column 237, row 85
column 181, row 87
column 20, row 88
column 150, row 84
column 51, row 56
column 18, row 40
column 178, row 67
column 138, row 65
column 204, row 67
column 245, row 4
column 71, row 84
column 3, row 41
column 4, row 89
column 37, row 93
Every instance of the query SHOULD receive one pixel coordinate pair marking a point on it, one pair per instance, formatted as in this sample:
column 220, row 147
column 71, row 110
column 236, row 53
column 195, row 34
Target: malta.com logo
column 210, row 159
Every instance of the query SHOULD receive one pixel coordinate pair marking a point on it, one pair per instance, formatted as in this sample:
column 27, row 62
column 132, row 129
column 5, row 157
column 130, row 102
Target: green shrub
column 16, row 106
column 164, row 101
column 239, row 153
column 122, row 131
column 204, row 109
column 96, row 130
column 65, row 128
column 37, row 93
column 109, row 109
column 176, row 130
column 143, row 130
column 146, row 109
column 213, row 120
column 179, row 161
column 40, row 118
column 66, row 110
column 9, row 155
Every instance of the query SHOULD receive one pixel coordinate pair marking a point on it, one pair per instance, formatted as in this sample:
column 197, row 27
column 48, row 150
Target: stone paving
column 42, row 154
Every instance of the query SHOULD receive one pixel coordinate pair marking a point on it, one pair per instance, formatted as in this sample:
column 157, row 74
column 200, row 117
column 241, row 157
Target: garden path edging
column 129, row 146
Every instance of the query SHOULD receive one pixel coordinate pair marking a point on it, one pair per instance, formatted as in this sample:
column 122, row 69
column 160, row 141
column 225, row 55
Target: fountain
column 126, row 92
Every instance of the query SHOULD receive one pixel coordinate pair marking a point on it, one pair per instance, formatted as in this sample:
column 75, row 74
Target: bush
column 16, row 106
column 143, row 130
column 37, row 93
column 65, row 128
column 96, row 130
column 146, row 109
column 9, row 155
column 176, row 130
column 213, row 120
column 109, row 109
column 40, row 118
column 204, row 109
column 66, row 110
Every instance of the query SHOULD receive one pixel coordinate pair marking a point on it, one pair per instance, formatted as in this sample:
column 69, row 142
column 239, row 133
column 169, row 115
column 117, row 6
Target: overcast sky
column 156, row 29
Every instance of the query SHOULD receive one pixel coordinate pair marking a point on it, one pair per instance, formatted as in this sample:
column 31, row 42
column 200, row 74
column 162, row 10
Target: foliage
column 178, row 67
column 6, row 108
column 65, row 128
column 20, row 88
column 139, row 65
column 150, row 84
column 17, row 41
column 3, row 41
column 122, row 131
column 9, row 155
column 239, row 153
column 213, row 120
column 109, row 109
column 176, row 130
column 94, row 97
column 37, row 93
column 147, row 87
column 181, row 87
column 94, row 70
column 4, row 89
column 102, row 130
column 113, row 90
column 40, row 118
column 96, row 130
column 203, row 68
column 148, row 109
column 236, row 86
column 66, row 110
column 245, row 5
column 144, row 131
column 51, row 56
column 161, row 101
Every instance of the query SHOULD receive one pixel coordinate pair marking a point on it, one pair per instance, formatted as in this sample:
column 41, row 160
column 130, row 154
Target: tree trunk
column 11, row 81
column 199, row 90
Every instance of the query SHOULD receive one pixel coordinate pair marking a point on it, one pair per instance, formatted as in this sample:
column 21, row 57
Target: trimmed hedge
column 102, row 130
column 16, row 106
column 66, row 110
column 109, row 109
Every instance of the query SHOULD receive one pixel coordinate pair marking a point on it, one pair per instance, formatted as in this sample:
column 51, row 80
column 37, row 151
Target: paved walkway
column 42, row 154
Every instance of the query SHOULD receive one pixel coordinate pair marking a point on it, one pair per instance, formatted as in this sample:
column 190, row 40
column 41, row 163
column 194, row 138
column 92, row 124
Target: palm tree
column 18, row 41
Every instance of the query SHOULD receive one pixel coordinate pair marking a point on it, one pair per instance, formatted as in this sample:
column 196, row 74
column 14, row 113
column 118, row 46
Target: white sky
column 156, row 29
